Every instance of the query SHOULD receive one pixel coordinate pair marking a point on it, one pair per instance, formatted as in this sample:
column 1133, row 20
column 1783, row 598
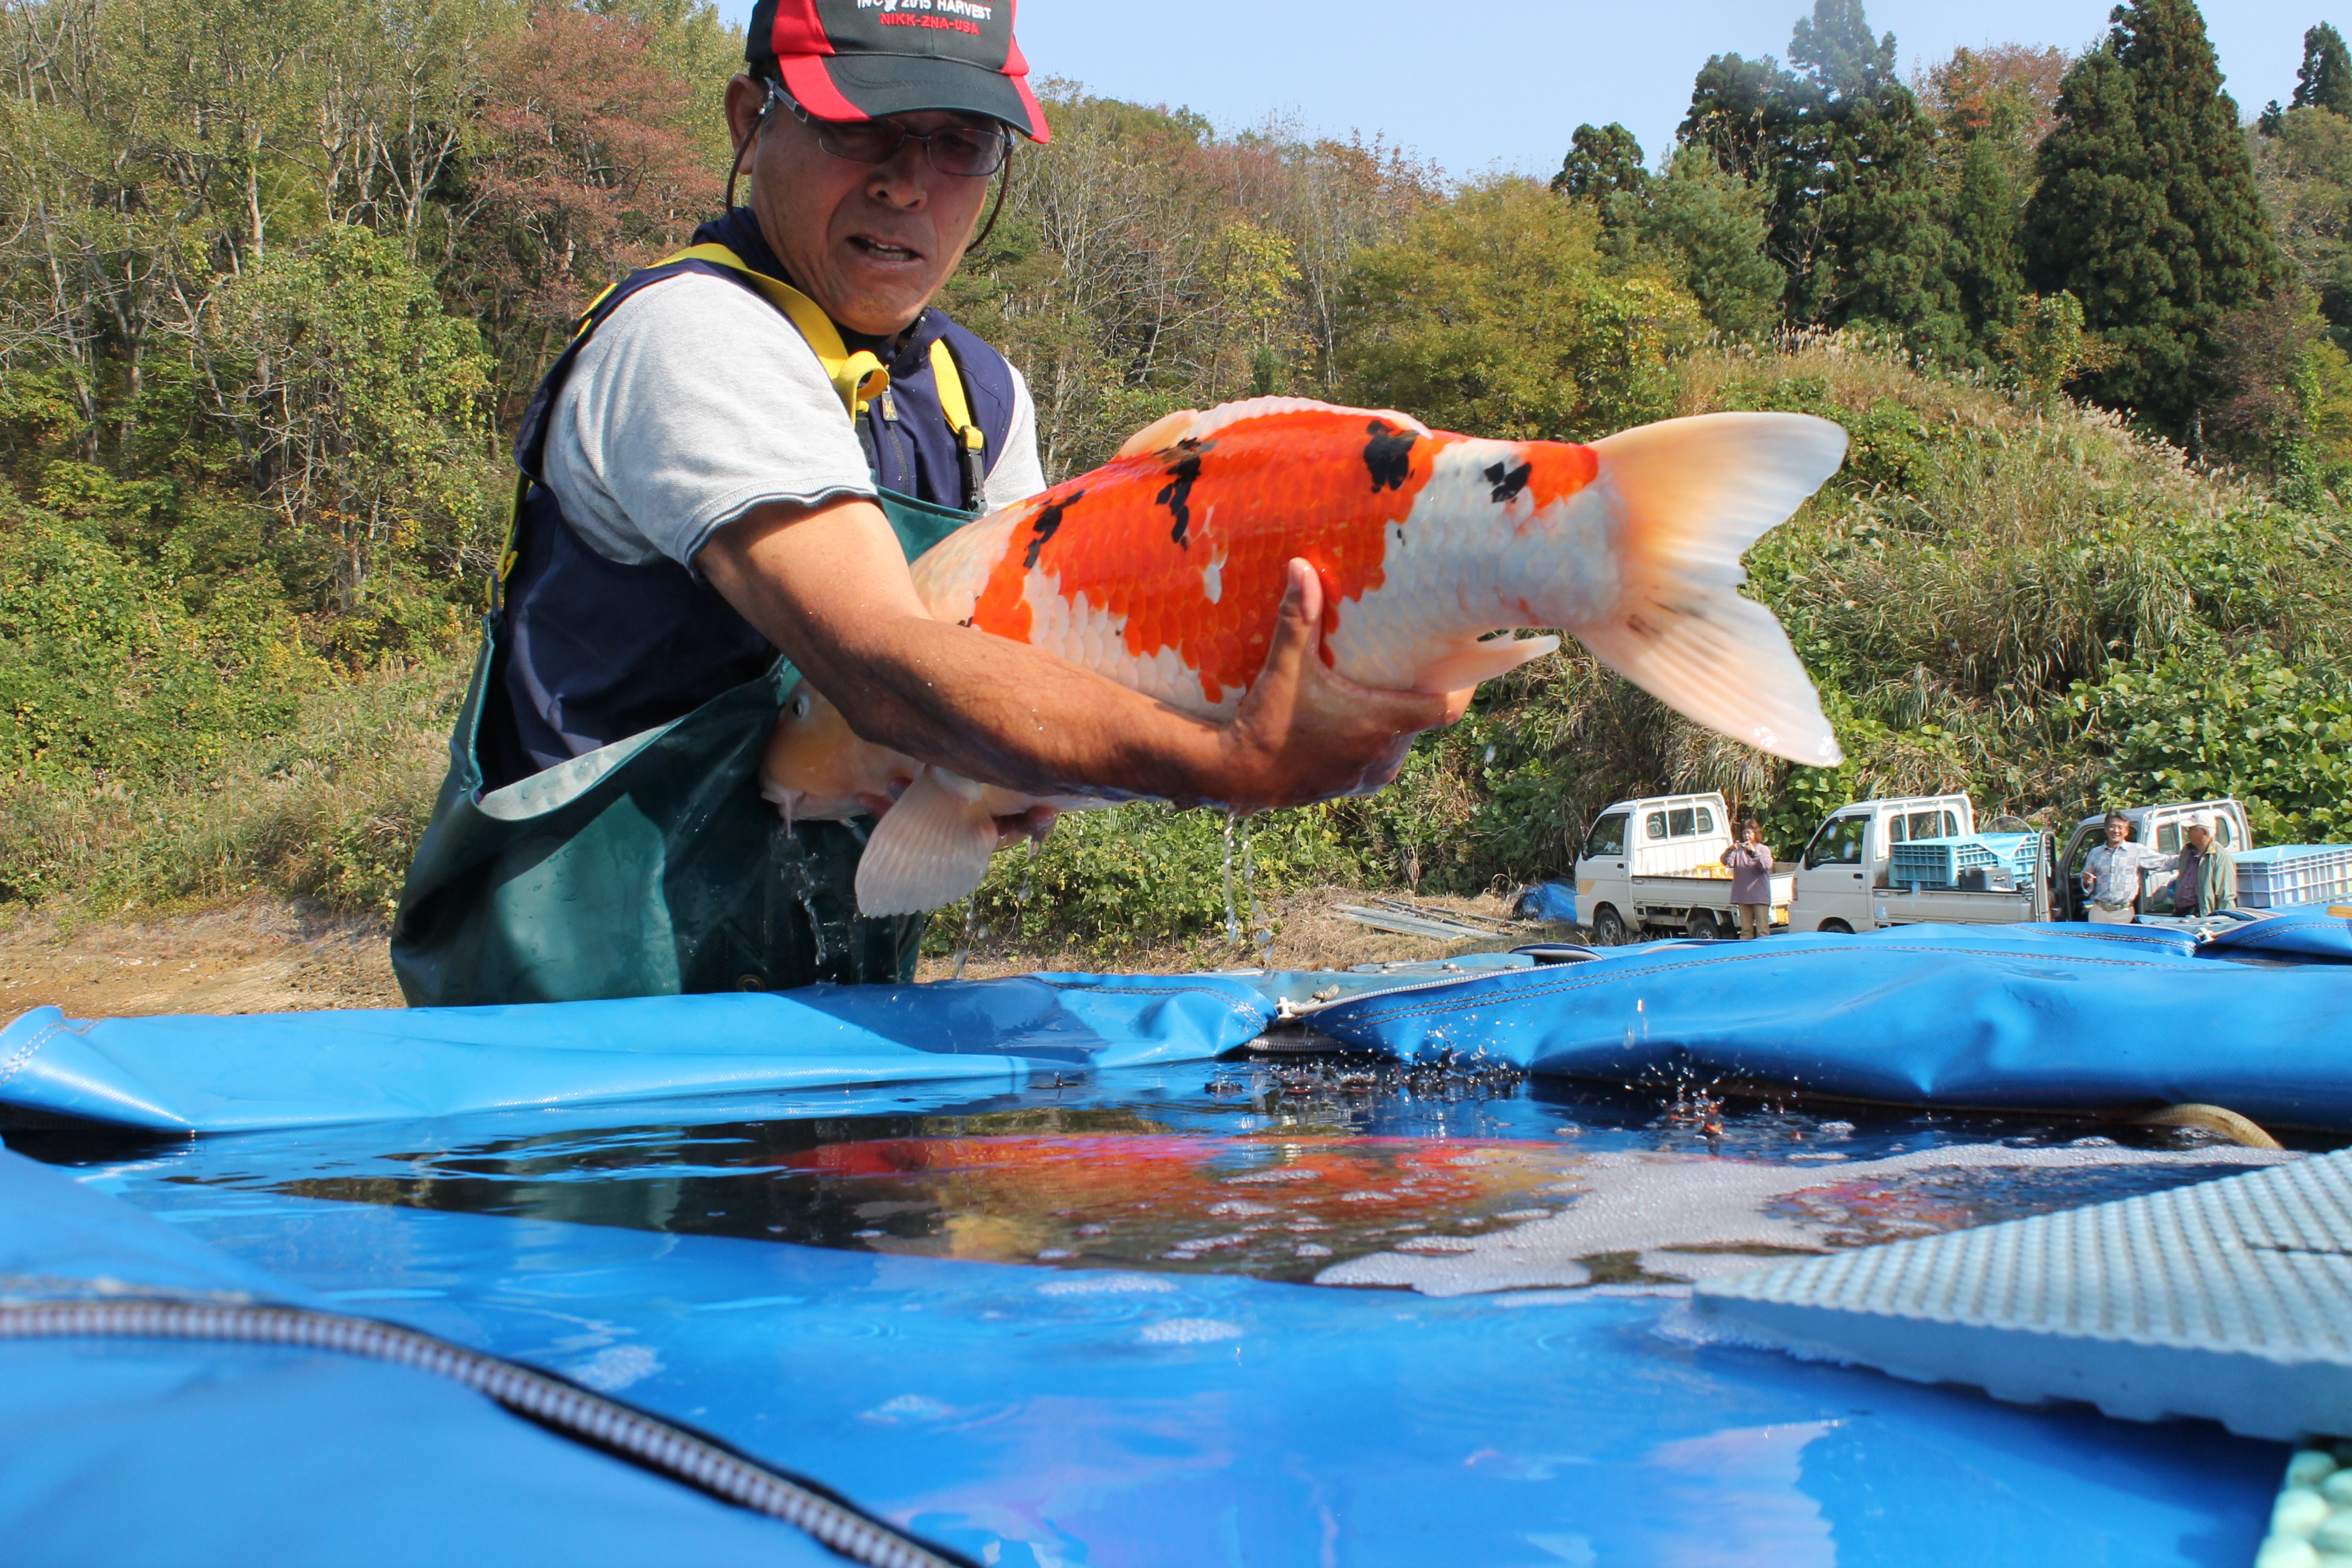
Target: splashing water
column 1029, row 877
column 1232, row 919
column 1261, row 928
column 971, row 920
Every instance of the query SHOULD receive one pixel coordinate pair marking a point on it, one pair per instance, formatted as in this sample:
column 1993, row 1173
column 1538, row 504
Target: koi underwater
column 1165, row 569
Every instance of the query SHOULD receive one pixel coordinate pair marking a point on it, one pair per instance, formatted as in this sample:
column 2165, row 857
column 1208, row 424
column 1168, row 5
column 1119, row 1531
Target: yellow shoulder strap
column 858, row 377
column 949, row 382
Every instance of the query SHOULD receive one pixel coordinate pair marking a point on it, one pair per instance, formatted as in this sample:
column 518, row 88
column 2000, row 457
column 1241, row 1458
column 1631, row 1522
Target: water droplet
column 1233, row 919
column 1490, row 754
column 963, row 954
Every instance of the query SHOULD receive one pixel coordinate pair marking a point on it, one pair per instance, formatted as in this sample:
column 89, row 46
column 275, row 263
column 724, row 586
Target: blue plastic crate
column 1938, row 862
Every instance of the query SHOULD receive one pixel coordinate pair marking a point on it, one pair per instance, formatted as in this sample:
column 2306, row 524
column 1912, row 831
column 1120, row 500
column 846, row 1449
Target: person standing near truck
column 2113, row 871
column 1751, row 879
column 2206, row 880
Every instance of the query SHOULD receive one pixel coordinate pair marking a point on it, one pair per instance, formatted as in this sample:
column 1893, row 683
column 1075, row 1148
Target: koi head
column 817, row 769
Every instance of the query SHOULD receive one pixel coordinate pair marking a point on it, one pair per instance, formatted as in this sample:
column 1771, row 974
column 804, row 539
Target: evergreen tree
column 1835, row 45
column 1710, row 224
column 2324, row 80
column 1743, row 112
column 2146, row 211
column 1602, row 161
column 1843, row 156
column 1984, row 244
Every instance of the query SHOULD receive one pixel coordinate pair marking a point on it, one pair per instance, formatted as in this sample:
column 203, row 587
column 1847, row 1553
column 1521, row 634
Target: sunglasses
column 969, row 149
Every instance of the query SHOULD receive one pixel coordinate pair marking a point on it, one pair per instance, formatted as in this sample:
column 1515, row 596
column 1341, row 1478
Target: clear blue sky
column 1506, row 86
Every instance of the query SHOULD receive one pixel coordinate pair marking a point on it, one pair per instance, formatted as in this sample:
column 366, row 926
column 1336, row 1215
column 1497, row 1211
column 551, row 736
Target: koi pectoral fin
column 931, row 848
column 1480, row 661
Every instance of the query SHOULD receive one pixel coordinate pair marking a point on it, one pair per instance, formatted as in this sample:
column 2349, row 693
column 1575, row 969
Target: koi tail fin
column 1691, row 495
column 930, row 848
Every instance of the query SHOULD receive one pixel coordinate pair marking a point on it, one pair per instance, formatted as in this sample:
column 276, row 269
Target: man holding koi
column 723, row 480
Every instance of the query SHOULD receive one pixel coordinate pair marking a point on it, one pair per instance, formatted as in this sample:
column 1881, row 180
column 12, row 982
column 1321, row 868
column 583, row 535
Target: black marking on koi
column 1176, row 495
column 1508, row 481
column 1042, row 526
column 1389, row 455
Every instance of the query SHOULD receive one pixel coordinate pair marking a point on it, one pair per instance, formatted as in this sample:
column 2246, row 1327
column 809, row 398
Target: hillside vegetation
column 275, row 284
column 2029, row 603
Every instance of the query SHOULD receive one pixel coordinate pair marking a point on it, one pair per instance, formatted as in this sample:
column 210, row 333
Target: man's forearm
column 829, row 587
column 1009, row 714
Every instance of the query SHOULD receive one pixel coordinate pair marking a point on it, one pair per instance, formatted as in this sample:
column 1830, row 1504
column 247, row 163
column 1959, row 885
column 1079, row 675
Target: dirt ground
column 266, row 956
column 1309, row 933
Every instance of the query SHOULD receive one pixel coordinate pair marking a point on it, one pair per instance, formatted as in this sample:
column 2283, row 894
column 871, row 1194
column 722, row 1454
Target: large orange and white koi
column 1165, row 568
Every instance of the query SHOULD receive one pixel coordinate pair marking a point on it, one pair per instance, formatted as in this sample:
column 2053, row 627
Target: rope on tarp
column 662, row 1446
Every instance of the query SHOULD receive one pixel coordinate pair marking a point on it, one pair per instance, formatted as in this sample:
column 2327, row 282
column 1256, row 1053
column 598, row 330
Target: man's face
column 2116, row 833
column 871, row 243
column 2197, row 836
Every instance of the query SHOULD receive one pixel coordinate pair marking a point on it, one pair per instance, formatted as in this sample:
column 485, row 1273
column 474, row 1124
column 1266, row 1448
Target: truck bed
column 1947, row 906
column 1702, row 892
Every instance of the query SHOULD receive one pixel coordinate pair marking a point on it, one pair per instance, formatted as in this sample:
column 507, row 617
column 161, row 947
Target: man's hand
column 1307, row 733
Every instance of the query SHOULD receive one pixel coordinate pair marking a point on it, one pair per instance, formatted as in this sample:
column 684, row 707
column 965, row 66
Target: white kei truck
column 1652, row 866
column 1656, row 864
column 1847, row 879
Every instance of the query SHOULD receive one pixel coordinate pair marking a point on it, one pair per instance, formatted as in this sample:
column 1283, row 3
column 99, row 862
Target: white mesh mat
column 2231, row 1300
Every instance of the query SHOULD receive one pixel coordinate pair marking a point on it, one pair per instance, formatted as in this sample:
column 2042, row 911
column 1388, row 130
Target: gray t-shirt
column 696, row 401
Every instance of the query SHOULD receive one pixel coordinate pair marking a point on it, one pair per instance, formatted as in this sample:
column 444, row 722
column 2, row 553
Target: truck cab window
column 2223, row 834
column 1654, row 824
column 1951, row 825
column 1839, row 843
column 1679, row 821
column 1705, row 820
column 1895, row 834
column 1607, row 837
column 2168, row 838
column 1932, row 824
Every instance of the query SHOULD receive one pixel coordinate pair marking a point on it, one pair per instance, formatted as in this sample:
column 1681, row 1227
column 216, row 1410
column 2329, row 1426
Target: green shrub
column 2200, row 725
column 106, row 674
column 1140, row 875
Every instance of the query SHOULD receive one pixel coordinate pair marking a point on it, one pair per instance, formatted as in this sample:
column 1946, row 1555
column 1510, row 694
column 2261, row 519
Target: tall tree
column 1845, row 156
column 1602, row 159
column 1496, row 312
column 2305, row 172
column 2324, row 80
column 1984, row 244
column 2005, row 91
column 1710, row 224
column 2146, row 211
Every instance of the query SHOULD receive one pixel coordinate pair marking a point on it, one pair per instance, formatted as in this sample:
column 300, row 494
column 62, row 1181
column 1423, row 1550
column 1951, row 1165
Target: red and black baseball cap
column 861, row 60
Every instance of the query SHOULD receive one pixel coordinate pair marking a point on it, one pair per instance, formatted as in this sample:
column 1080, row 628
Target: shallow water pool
column 1076, row 1323
column 1294, row 1168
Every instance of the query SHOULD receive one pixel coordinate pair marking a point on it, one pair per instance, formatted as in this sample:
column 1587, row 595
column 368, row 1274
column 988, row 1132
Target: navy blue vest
column 590, row 651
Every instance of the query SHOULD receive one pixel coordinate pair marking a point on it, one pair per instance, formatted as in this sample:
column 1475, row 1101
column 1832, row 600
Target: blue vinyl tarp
column 191, row 1454
column 2052, row 1018
column 2058, row 1017
column 198, row 1074
column 1036, row 1418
